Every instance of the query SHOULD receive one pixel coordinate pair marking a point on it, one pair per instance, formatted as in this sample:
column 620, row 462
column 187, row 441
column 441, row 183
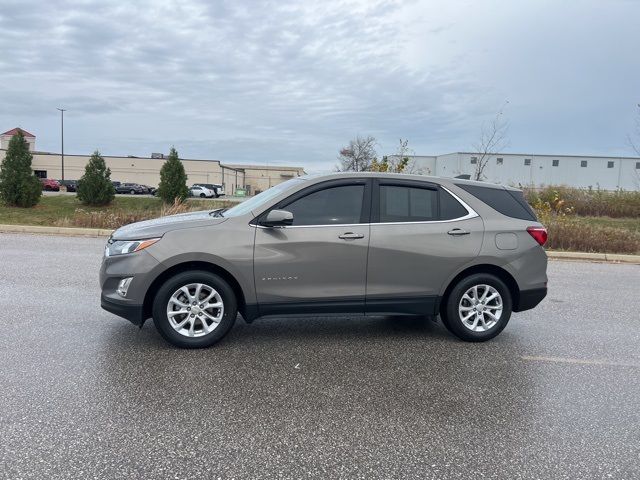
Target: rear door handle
column 456, row 232
column 350, row 236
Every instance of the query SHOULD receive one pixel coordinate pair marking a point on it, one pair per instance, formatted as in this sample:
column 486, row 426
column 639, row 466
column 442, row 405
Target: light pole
column 62, row 110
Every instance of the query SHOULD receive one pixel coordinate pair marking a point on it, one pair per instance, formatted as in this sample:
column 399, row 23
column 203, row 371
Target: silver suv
column 365, row 244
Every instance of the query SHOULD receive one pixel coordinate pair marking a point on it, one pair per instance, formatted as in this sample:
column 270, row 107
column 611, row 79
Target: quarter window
column 407, row 204
column 331, row 206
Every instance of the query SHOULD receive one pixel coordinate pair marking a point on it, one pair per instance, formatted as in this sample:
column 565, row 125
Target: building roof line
column 617, row 157
column 14, row 131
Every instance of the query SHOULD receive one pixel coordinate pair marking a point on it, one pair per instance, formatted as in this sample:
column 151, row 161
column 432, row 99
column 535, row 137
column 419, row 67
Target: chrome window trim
column 471, row 213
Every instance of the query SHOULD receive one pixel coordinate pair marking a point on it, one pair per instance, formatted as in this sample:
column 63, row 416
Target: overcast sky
column 291, row 82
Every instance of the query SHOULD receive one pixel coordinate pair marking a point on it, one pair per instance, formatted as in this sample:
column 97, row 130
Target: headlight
column 120, row 247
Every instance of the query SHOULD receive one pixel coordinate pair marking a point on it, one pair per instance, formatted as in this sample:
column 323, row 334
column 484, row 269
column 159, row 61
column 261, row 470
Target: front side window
column 331, row 206
column 407, row 204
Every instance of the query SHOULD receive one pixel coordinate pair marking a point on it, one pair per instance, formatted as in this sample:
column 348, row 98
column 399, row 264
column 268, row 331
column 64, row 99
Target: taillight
column 539, row 234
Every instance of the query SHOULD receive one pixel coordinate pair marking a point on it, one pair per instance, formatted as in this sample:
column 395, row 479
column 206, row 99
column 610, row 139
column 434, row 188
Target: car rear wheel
column 132, row 192
column 194, row 309
column 478, row 308
column 202, row 195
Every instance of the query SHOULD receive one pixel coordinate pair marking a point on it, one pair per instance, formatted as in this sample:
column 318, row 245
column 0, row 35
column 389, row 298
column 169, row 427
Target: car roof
column 404, row 176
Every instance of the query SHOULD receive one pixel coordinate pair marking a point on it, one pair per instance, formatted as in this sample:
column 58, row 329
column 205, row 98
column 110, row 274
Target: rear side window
column 406, row 204
column 450, row 208
column 509, row 203
column 331, row 206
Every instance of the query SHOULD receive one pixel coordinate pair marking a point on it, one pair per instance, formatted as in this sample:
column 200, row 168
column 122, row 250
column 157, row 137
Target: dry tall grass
column 115, row 218
column 589, row 202
column 568, row 231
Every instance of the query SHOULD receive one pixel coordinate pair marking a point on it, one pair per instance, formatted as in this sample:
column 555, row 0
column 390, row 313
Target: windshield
column 255, row 202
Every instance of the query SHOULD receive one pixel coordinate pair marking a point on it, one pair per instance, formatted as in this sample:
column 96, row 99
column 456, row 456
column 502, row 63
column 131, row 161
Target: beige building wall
column 259, row 178
column 146, row 171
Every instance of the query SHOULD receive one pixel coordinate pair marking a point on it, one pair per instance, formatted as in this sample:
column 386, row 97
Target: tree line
column 19, row 187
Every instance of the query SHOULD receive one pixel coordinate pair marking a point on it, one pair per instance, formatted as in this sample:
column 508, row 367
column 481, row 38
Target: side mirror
column 277, row 218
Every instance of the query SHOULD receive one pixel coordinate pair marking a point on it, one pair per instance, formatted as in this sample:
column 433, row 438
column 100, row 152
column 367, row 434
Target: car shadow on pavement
column 270, row 330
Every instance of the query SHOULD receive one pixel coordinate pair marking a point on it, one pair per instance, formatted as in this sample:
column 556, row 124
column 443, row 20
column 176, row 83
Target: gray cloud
column 290, row 82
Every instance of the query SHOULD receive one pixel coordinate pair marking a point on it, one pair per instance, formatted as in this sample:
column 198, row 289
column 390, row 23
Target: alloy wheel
column 195, row 310
column 480, row 308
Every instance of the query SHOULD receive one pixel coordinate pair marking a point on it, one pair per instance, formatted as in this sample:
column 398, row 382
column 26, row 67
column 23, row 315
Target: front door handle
column 350, row 236
column 456, row 232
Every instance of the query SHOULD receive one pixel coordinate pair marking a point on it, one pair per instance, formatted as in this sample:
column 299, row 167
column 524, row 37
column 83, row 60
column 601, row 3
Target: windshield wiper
column 218, row 213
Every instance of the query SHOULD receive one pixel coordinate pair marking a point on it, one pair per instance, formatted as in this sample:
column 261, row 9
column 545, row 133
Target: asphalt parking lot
column 87, row 395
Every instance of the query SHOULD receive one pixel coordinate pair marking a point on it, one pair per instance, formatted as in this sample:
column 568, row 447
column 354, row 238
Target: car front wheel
column 194, row 309
column 478, row 308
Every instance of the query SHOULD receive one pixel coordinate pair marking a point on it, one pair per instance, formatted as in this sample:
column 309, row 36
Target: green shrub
column 19, row 187
column 173, row 180
column 95, row 187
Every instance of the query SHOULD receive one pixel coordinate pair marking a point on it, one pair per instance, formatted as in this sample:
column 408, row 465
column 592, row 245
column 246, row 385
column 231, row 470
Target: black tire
column 164, row 293
column 202, row 195
column 451, row 318
column 132, row 192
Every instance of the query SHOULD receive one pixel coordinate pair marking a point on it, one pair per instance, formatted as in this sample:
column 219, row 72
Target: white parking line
column 580, row 361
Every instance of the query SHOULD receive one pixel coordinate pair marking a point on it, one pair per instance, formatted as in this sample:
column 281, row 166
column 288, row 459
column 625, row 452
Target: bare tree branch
column 493, row 139
column 358, row 155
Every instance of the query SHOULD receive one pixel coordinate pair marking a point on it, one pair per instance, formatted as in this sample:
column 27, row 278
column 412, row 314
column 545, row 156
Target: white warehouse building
column 606, row 173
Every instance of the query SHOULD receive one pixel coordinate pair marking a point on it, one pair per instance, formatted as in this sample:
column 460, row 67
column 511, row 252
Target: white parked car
column 202, row 192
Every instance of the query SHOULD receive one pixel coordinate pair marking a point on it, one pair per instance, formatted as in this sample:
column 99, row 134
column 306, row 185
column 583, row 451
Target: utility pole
column 62, row 110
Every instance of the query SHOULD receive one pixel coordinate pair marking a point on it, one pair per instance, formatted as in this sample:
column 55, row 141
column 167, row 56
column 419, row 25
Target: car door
column 319, row 263
column 420, row 234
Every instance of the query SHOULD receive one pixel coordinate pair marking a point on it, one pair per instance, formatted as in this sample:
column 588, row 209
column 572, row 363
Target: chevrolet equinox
column 357, row 243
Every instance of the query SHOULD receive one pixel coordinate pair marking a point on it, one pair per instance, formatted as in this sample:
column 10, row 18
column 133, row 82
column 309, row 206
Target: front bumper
column 131, row 312
column 528, row 299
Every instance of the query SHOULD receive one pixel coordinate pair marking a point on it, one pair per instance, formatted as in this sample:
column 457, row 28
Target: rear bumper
column 528, row 299
column 130, row 312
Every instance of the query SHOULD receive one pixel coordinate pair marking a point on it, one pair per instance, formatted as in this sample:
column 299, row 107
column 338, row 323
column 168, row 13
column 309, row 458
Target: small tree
column 493, row 139
column 19, row 187
column 173, row 179
column 634, row 142
column 95, row 187
column 400, row 162
column 358, row 155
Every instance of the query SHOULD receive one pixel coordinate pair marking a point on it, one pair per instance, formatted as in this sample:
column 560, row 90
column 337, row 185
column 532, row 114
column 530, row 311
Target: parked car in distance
column 50, row 185
column 149, row 190
column 202, row 192
column 131, row 188
column 71, row 185
column 214, row 187
column 361, row 243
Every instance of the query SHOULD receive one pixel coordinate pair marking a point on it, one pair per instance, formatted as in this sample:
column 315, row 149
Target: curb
column 65, row 231
column 103, row 232
column 598, row 257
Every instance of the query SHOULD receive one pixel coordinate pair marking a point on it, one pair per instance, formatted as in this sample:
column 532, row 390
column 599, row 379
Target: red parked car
column 50, row 185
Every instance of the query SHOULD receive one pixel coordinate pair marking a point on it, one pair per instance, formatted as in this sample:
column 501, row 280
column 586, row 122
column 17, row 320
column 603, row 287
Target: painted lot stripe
column 579, row 361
